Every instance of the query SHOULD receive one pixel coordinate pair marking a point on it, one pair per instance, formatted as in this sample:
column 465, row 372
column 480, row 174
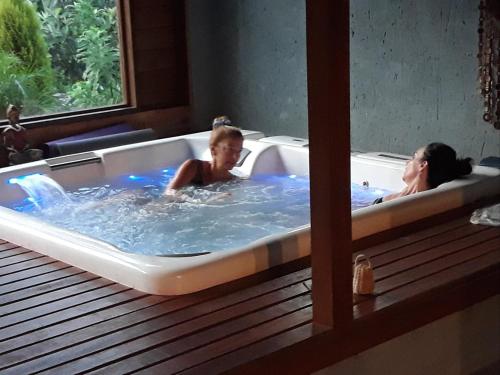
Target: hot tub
column 180, row 275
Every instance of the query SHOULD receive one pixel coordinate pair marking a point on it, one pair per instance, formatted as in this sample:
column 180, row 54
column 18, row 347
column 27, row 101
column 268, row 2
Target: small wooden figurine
column 15, row 140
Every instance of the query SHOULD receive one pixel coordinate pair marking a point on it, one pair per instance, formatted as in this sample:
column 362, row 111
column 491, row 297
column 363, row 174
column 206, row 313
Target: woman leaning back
column 429, row 167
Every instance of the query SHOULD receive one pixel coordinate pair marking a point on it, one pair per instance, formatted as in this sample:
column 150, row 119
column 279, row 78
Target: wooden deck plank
column 414, row 236
column 4, row 245
column 423, row 245
column 113, row 329
column 55, row 307
column 302, row 350
column 44, row 278
column 94, row 282
column 437, row 266
column 77, row 317
column 18, row 258
column 449, row 250
column 263, row 353
column 183, row 338
column 24, row 266
column 15, row 250
column 48, row 287
column 207, row 301
column 85, row 343
column 448, row 276
column 228, row 344
column 251, row 352
column 53, row 265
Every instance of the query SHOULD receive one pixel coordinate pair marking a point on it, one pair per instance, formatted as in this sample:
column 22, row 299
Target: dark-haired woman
column 429, row 167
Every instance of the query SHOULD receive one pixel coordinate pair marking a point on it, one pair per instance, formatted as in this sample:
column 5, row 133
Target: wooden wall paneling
column 329, row 136
column 148, row 39
column 159, row 31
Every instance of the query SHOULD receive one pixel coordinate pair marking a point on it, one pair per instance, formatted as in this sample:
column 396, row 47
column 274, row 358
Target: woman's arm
column 185, row 174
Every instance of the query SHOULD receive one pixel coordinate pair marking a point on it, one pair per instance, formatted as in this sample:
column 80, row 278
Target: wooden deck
column 58, row 319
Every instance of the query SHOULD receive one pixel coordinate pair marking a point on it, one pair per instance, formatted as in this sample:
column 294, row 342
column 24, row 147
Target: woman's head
column 225, row 142
column 439, row 163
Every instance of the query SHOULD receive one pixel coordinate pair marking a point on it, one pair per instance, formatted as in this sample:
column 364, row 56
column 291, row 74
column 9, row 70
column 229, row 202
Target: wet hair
column 222, row 129
column 443, row 164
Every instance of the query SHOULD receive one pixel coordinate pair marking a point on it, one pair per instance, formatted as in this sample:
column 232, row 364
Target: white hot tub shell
column 180, row 275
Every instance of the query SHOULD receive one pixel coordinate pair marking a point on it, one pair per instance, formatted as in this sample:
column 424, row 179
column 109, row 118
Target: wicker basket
column 363, row 281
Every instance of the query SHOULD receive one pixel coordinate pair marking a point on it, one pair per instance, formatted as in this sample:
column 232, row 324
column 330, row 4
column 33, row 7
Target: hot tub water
column 132, row 213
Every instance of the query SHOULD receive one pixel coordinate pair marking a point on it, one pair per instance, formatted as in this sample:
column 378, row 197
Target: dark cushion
column 105, row 141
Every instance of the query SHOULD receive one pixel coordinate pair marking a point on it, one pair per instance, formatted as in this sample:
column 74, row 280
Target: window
column 59, row 56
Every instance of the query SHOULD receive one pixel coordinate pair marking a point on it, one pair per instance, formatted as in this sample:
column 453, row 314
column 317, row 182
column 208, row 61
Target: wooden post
column 329, row 139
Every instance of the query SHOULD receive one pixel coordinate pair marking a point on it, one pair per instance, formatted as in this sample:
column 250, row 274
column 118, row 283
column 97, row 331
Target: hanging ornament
column 489, row 60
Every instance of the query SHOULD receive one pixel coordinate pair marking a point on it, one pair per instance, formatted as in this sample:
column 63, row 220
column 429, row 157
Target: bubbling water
column 133, row 214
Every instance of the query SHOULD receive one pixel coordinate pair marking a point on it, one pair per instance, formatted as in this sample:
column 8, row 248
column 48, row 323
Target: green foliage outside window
column 82, row 41
column 25, row 64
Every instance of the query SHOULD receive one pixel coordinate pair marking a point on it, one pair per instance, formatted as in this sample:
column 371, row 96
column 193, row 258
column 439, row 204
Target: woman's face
column 227, row 152
column 414, row 166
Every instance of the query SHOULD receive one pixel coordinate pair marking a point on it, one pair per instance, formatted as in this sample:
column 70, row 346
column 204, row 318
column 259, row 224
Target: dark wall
column 413, row 71
column 248, row 61
column 414, row 77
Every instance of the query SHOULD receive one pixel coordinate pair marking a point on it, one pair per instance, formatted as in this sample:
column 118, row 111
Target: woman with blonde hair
column 226, row 142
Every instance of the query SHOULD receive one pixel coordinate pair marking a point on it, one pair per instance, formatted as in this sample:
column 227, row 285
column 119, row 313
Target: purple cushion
column 50, row 149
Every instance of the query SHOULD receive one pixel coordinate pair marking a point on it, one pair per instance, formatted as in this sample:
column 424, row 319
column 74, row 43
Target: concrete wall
column 248, row 60
column 413, row 79
column 459, row 344
column 413, row 71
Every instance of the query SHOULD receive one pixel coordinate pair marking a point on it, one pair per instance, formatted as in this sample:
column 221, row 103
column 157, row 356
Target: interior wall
column 248, row 61
column 414, row 77
column 413, row 71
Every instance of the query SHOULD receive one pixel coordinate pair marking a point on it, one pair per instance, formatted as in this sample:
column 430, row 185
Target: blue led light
column 293, row 176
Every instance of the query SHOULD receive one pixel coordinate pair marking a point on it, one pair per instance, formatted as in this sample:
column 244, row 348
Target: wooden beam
column 159, row 56
column 329, row 137
column 126, row 52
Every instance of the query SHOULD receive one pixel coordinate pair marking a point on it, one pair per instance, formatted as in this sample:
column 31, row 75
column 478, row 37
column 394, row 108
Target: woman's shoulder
column 193, row 164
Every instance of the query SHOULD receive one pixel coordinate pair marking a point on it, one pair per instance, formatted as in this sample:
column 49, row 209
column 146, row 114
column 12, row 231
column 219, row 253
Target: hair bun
column 464, row 166
column 221, row 121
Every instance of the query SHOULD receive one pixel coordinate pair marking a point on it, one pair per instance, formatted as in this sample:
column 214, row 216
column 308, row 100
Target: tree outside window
column 59, row 55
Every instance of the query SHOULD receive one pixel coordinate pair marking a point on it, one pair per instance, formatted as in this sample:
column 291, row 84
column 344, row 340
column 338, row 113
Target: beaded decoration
column 489, row 59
